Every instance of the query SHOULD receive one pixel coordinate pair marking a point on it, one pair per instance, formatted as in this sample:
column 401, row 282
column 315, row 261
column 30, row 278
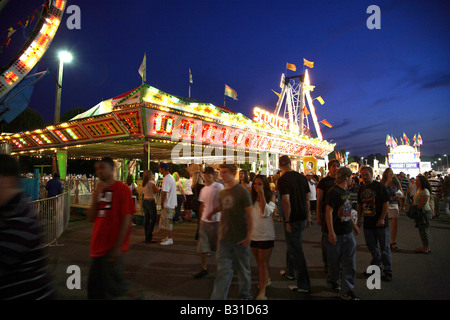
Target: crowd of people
column 236, row 211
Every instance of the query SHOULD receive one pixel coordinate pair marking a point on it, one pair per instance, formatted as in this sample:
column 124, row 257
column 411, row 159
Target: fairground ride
column 34, row 48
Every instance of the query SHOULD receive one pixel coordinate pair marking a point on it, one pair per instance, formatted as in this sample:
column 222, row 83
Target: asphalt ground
column 165, row 273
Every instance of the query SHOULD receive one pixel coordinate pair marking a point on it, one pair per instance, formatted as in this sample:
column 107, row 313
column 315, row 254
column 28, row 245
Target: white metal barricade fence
column 54, row 214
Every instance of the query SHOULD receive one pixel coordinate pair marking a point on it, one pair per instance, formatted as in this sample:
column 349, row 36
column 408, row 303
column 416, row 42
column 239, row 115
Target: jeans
column 342, row 260
column 105, row 279
column 150, row 216
column 296, row 255
column 323, row 245
column 424, row 227
column 230, row 255
column 180, row 200
column 378, row 243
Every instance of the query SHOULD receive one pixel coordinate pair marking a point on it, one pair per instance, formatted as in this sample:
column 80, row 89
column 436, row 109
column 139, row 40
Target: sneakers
column 387, row 277
column 334, row 286
column 349, row 296
column 284, row 275
column 297, row 289
column 201, row 274
column 167, row 242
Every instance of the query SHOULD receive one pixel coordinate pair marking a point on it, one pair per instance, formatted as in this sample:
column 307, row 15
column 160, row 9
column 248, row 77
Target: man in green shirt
column 234, row 236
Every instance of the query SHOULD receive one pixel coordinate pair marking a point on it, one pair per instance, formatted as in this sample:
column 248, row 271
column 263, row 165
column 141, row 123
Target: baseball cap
column 209, row 170
column 165, row 166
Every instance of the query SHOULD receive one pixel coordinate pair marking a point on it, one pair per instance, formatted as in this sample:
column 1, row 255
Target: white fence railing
column 54, row 214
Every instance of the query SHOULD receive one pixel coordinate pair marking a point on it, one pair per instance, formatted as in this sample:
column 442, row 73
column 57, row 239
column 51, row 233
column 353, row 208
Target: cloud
column 344, row 123
column 381, row 101
column 360, row 131
column 436, row 82
column 430, row 81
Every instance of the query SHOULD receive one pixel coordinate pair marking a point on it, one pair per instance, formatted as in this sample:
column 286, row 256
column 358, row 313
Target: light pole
column 64, row 56
column 441, row 164
column 446, row 159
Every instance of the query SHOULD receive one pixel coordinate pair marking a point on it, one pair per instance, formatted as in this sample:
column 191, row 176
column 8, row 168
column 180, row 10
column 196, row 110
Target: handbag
column 412, row 212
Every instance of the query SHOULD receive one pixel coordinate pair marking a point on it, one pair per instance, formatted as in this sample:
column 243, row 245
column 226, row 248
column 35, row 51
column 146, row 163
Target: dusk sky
column 374, row 82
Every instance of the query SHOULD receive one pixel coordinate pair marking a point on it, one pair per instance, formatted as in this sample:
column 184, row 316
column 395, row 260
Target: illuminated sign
column 414, row 165
column 163, row 124
column 187, row 128
column 264, row 116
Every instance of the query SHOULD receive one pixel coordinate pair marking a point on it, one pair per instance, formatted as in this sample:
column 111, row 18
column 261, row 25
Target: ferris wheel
column 291, row 104
column 34, row 48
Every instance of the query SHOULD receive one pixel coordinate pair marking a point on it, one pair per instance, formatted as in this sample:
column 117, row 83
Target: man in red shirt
column 111, row 211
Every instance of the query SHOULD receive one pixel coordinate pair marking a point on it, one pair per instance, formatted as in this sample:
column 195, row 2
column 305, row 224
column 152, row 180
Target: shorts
column 266, row 244
column 208, row 233
column 165, row 221
column 393, row 211
column 312, row 205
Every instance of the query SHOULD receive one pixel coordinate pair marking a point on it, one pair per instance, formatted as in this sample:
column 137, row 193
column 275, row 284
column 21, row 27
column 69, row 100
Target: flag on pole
column 230, row 92
column 387, row 140
column 190, row 76
column 306, row 111
column 278, row 94
column 309, row 64
column 419, row 138
column 143, row 69
column 325, row 122
column 319, row 98
column 291, row 66
column 405, row 138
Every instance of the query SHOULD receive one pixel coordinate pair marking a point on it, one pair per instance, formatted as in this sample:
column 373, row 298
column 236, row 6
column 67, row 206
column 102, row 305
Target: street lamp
column 440, row 161
column 64, row 56
column 446, row 159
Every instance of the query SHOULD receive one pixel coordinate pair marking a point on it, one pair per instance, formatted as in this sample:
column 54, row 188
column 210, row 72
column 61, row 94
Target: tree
column 69, row 114
column 27, row 121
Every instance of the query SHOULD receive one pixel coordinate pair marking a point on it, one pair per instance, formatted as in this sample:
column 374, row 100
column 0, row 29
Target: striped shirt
column 23, row 268
column 404, row 182
column 435, row 185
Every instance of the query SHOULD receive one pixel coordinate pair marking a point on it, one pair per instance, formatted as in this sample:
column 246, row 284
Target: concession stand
column 147, row 124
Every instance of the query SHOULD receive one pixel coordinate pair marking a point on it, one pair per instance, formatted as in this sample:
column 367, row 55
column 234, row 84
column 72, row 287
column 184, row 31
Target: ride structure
column 33, row 50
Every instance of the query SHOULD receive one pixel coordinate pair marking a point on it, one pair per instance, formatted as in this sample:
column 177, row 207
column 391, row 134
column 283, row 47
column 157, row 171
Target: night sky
column 374, row 82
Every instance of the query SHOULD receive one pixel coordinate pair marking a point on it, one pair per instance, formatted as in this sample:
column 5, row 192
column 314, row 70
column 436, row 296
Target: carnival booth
column 404, row 158
column 147, row 124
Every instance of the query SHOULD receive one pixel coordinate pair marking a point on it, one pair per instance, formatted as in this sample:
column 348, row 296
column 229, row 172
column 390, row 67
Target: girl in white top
column 149, row 205
column 263, row 232
column 187, row 187
column 148, row 186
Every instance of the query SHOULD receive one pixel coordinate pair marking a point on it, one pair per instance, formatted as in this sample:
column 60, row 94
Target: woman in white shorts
column 263, row 232
column 394, row 190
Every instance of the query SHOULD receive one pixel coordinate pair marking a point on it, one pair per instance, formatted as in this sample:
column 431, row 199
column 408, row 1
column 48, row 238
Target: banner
column 230, row 92
column 307, row 63
column 143, row 69
column 291, row 66
column 325, row 122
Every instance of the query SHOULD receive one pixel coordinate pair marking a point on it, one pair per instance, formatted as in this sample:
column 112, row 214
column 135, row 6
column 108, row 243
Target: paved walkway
column 166, row 273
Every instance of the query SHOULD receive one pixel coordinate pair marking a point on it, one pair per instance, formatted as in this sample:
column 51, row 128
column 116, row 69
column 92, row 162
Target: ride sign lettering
column 261, row 115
